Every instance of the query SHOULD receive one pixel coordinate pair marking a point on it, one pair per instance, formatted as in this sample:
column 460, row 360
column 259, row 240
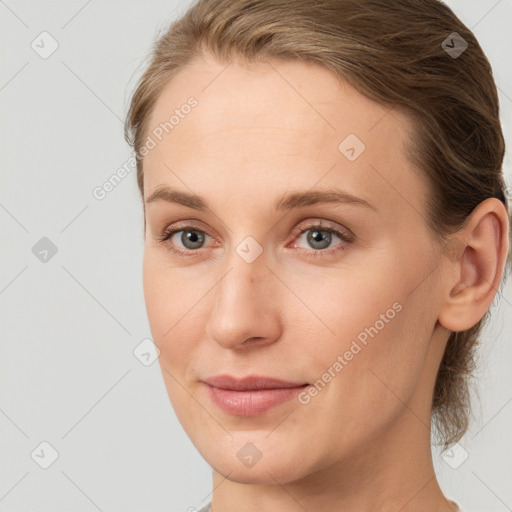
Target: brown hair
column 397, row 53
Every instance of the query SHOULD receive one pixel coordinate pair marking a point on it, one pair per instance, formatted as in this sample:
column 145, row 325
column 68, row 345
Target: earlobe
column 479, row 270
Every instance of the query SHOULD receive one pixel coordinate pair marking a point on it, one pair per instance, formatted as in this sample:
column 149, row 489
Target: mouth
column 252, row 395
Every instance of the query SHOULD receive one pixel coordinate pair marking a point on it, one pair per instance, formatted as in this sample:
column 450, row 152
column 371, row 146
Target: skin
column 260, row 131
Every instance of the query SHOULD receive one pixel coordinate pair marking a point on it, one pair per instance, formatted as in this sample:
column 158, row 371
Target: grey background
column 68, row 375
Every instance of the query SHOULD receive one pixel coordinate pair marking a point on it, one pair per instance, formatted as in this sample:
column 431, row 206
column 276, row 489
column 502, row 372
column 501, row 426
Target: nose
column 245, row 312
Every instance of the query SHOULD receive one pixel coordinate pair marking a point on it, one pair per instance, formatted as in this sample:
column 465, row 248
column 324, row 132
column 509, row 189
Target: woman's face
column 297, row 249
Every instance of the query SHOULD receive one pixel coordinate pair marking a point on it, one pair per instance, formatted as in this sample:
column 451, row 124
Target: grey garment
column 208, row 508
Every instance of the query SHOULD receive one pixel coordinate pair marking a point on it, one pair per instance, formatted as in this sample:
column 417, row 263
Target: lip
column 251, row 395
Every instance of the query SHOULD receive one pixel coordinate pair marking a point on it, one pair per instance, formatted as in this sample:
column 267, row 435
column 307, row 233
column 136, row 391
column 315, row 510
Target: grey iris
column 319, row 239
column 192, row 239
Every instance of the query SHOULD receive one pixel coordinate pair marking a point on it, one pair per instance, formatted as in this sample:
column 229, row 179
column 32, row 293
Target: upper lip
column 250, row 382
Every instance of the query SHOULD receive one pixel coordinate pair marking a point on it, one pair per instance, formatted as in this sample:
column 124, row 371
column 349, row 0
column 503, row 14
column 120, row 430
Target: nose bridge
column 244, row 308
column 248, row 274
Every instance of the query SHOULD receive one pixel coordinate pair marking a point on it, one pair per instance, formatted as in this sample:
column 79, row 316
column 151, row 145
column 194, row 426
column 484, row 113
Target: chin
column 262, row 473
column 250, row 460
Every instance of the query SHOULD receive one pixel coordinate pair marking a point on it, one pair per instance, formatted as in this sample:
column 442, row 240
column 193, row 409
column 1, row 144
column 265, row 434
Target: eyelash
column 345, row 237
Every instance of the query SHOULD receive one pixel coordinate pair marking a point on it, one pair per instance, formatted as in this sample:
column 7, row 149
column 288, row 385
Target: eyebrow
column 288, row 201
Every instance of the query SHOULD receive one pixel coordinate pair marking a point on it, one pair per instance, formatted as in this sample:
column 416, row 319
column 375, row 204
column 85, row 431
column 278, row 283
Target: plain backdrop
column 71, row 289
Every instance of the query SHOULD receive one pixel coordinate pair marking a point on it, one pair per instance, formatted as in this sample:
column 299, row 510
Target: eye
column 188, row 238
column 322, row 239
column 319, row 239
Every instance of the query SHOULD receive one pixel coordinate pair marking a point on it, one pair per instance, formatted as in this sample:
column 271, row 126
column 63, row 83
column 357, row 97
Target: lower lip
column 251, row 403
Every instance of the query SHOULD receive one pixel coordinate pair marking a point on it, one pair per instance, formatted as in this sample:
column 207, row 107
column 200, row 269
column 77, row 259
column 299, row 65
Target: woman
column 325, row 230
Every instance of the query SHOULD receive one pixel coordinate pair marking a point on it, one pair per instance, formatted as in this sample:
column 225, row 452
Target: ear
column 478, row 270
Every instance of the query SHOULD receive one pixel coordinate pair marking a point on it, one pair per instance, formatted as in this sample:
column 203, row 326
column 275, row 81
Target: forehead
column 283, row 95
column 287, row 121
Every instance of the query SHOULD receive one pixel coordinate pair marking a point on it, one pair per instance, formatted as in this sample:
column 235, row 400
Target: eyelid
column 171, row 230
column 343, row 232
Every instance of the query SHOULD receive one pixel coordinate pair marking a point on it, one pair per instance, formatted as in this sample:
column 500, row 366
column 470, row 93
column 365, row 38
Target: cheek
column 171, row 299
column 382, row 379
column 375, row 341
